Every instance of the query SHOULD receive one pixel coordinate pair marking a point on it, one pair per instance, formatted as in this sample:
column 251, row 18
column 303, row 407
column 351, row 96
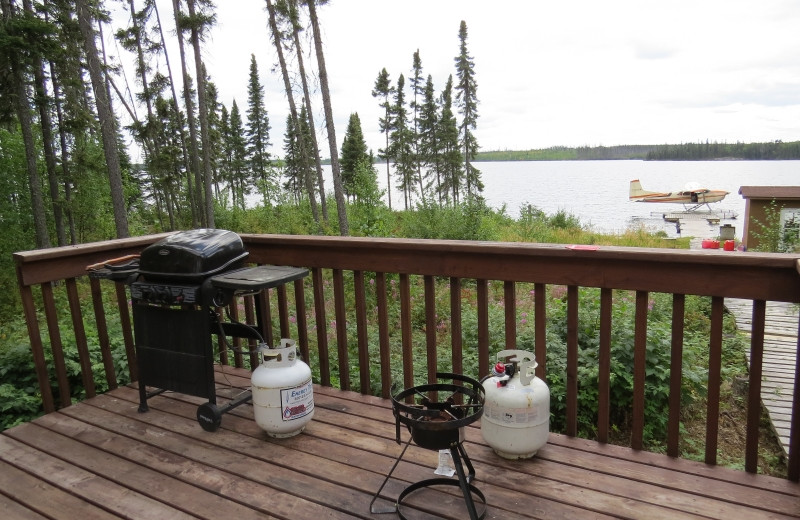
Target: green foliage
column 658, row 355
column 20, row 399
column 354, row 155
column 775, row 236
column 15, row 218
column 467, row 221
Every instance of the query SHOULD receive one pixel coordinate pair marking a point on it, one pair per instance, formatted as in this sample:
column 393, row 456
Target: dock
column 780, row 359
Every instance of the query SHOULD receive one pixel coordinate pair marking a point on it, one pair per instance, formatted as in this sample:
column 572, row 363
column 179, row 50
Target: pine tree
column 428, row 150
column 225, row 153
column 466, row 97
column 214, row 131
column 292, row 169
column 451, row 157
column 402, row 151
column 417, row 88
column 354, row 150
column 258, row 131
column 383, row 89
column 237, row 146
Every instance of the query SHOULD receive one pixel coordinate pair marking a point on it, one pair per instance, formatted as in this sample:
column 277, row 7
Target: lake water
column 597, row 191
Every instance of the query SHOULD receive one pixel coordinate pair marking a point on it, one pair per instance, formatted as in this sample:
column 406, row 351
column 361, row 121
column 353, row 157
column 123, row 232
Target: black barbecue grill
column 176, row 286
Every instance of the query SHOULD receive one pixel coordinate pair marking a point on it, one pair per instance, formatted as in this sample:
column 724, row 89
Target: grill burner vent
column 438, row 424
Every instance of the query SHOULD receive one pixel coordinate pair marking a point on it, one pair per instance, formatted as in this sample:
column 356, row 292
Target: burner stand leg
column 466, row 460
column 464, row 480
column 396, row 507
column 460, row 459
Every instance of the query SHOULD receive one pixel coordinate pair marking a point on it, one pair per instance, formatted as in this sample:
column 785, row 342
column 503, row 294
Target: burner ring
column 442, row 482
column 435, row 424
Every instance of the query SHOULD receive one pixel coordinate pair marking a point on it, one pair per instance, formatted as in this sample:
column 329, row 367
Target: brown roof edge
column 770, row 192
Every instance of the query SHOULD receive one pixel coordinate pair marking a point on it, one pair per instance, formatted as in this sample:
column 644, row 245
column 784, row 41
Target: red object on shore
column 730, row 245
column 709, row 243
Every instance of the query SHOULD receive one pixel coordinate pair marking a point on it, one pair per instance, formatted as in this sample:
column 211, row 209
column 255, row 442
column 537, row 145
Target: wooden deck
column 780, row 359
column 103, row 459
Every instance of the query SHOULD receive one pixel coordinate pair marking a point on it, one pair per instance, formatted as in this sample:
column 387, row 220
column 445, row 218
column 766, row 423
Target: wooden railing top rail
column 59, row 263
column 757, row 276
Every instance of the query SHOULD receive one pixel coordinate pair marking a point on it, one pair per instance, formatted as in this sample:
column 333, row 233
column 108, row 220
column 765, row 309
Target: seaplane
column 692, row 196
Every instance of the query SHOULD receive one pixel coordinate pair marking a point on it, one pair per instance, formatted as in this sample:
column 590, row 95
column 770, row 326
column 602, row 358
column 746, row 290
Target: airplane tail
column 637, row 192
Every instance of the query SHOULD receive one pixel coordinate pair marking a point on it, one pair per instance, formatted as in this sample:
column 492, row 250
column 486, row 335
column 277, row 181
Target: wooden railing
column 335, row 261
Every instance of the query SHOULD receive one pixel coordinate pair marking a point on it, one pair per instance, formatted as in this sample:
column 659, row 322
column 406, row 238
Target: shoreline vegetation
column 701, row 151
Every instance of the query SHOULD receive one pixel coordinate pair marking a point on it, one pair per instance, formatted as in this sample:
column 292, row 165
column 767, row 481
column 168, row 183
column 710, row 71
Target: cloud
column 652, row 51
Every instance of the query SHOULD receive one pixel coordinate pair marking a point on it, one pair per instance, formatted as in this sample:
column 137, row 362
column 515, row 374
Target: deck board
column 102, row 459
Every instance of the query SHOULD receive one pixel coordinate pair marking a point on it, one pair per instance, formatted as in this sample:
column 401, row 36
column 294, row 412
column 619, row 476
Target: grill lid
column 192, row 255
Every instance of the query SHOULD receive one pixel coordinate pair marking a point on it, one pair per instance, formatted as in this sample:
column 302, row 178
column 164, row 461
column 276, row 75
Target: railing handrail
column 553, row 263
column 59, row 263
column 700, row 272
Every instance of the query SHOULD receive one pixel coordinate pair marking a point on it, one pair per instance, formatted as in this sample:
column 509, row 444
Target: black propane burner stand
column 438, row 424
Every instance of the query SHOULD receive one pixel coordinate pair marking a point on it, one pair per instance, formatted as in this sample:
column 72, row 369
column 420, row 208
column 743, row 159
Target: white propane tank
column 516, row 413
column 283, row 396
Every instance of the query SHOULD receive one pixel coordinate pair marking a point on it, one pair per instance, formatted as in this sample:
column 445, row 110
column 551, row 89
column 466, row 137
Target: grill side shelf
column 258, row 278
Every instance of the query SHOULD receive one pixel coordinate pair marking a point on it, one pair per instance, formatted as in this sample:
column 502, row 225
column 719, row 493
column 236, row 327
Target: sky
column 567, row 73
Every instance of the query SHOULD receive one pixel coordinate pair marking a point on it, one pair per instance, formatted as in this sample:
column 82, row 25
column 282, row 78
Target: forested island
column 705, row 151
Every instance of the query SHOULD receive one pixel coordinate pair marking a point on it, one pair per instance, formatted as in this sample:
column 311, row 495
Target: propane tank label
column 505, row 415
column 297, row 401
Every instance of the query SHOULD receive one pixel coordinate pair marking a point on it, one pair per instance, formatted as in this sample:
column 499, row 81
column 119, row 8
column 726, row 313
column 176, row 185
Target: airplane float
column 693, row 196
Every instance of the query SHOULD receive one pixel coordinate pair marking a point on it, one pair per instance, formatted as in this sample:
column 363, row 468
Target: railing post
column 572, row 360
column 639, row 369
column 87, row 374
column 456, row 337
column 754, row 385
column 37, row 348
column 540, row 328
column 675, row 375
column 56, row 345
column 405, row 328
column 714, row 381
column 604, row 367
column 510, row 304
column 322, row 327
column 483, row 326
column 430, row 327
column 361, row 332
column 383, row 335
column 102, row 333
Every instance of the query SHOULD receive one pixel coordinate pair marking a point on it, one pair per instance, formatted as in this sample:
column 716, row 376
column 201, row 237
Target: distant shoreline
column 708, row 151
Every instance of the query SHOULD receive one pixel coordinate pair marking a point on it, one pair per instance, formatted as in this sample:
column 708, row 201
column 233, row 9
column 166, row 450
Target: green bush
column 19, row 393
column 657, row 362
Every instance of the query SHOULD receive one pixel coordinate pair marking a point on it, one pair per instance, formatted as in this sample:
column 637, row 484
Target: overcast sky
column 571, row 73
